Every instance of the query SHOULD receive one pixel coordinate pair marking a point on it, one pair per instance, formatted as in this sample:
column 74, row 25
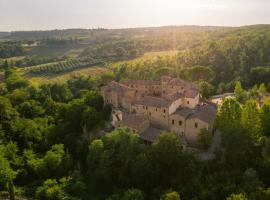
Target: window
column 187, row 102
column 173, row 121
column 146, row 107
column 164, row 110
column 143, row 107
column 180, row 123
column 196, row 125
column 156, row 109
column 149, row 114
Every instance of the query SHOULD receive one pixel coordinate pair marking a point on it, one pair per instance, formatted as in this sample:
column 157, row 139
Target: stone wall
column 177, row 124
column 193, row 128
column 191, row 102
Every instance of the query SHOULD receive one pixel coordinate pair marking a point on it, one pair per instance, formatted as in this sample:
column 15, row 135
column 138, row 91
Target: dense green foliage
column 53, row 146
column 56, row 141
column 9, row 49
column 64, row 66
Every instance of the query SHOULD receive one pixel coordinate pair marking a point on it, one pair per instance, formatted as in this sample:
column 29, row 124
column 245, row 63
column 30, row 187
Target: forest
column 56, row 141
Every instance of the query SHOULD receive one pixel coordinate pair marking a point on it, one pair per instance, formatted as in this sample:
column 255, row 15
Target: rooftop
column 184, row 111
column 151, row 134
column 118, row 87
column 153, row 101
column 191, row 93
column 206, row 113
column 133, row 121
column 141, row 82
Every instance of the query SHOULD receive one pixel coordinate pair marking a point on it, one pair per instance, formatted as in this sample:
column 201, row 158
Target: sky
column 61, row 14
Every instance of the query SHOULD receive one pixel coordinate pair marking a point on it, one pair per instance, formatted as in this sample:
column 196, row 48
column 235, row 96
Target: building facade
column 170, row 104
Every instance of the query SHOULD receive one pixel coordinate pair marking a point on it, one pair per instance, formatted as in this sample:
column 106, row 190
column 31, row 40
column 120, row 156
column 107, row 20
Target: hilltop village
column 149, row 107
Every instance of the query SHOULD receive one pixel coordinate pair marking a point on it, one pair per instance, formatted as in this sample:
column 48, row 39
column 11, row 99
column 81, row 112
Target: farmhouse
column 149, row 107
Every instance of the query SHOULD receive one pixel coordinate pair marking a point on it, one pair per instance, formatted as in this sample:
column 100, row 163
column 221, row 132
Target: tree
column 238, row 150
column 239, row 92
column 206, row 89
column 250, row 120
column 52, row 189
column 6, row 65
column 133, row 194
column 30, row 109
column 204, row 139
column 268, row 87
column 200, row 73
column 120, row 52
column 266, row 149
column 7, row 175
column 262, row 89
column 240, row 196
column 229, row 116
column 265, row 119
column 18, row 96
column 171, row 196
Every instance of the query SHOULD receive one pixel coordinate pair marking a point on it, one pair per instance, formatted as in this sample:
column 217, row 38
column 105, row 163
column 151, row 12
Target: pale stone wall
column 158, row 116
column 148, row 89
column 111, row 98
column 172, row 89
column 176, row 104
column 126, row 100
column 193, row 128
column 191, row 102
column 119, row 100
column 177, row 124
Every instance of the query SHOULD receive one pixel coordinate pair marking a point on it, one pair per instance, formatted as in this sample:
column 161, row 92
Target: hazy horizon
column 65, row 14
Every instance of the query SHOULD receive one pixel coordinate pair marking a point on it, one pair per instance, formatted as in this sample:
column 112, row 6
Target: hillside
column 56, row 137
column 232, row 53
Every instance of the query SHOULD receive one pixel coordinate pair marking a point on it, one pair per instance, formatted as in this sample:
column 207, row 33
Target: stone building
column 149, row 107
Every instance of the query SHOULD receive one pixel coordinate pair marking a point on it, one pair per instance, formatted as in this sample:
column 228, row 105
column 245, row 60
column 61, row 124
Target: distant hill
column 90, row 33
column 4, row 34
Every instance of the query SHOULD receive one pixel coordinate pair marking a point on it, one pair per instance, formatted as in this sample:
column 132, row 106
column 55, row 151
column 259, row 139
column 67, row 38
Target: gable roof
column 191, row 93
column 184, row 112
column 133, row 121
column 117, row 87
column 206, row 113
column 151, row 134
column 153, row 101
column 141, row 82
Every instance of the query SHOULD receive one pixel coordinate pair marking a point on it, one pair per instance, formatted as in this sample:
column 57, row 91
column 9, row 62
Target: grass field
column 92, row 71
column 54, row 51
column 150, row 55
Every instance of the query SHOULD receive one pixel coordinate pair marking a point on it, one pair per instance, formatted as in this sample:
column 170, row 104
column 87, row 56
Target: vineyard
column 64, row 66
